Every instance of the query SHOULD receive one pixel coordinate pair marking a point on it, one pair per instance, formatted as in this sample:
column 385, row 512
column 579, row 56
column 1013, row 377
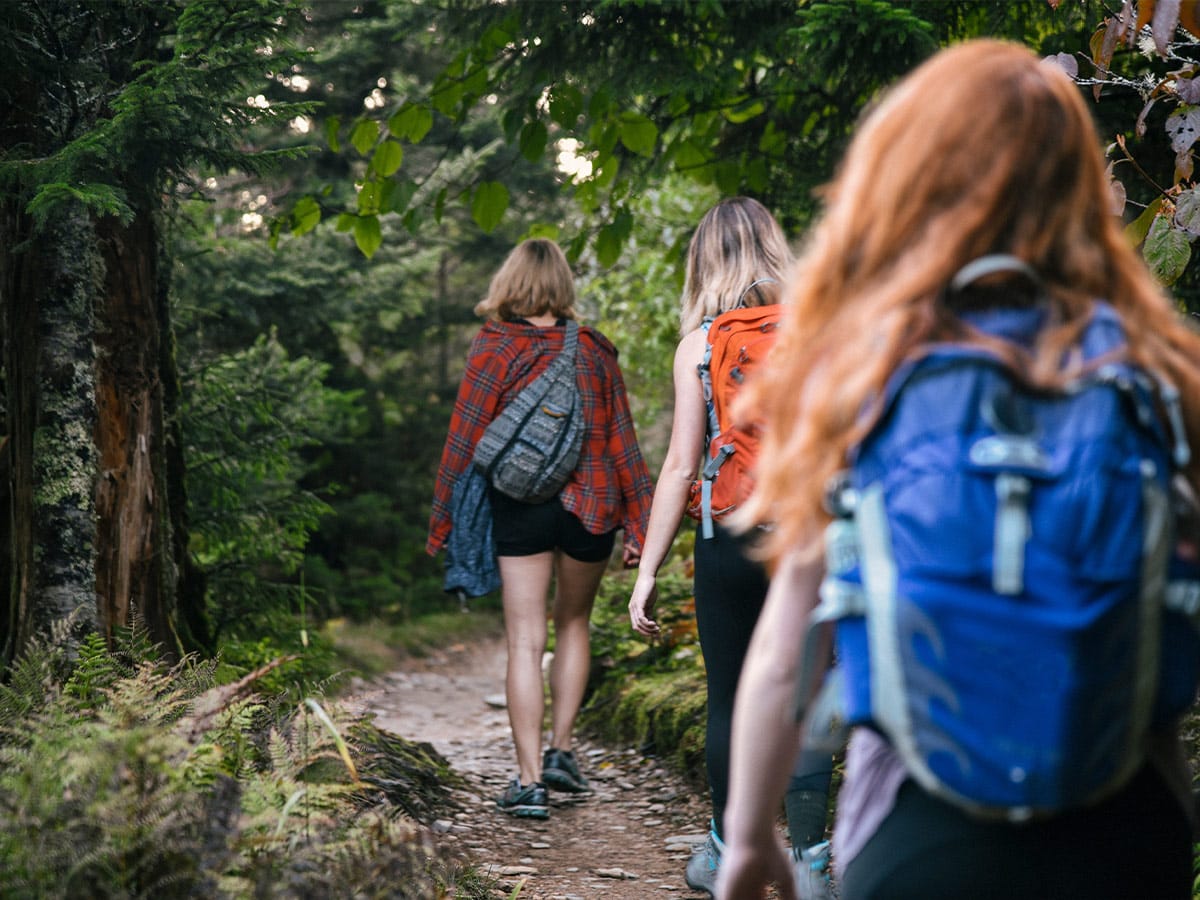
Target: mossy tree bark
column 90, row 532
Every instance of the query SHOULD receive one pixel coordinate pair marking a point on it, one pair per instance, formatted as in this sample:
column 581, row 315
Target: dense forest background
column 241, row 241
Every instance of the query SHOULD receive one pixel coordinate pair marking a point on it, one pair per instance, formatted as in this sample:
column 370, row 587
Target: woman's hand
column 630, row 556
column 746, row 870
column 641, row 605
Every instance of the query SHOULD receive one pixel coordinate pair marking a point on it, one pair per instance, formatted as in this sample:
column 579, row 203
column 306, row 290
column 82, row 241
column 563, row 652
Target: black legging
column 730, row 589
column 1135, row 846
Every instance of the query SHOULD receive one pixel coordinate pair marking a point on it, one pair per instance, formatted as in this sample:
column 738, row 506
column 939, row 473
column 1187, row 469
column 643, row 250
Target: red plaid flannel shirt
column 611, row 487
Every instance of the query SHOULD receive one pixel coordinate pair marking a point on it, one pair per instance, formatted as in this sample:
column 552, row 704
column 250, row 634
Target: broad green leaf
column 688, row 155
column 1137, row 229
column 364, row 135
column 305, row 216
column 387, row 159
column 411, row 123
column 566, row 104
column 1167, row 251
column 488, row 205
column 476, row 83
column 368, row 235
column 729, row 177
column 368, row 198
column 638, row 134
column 533, row 140
column 402, row 196
column 345, row 222
column 332, row 125
column 446, row 97
column 576, row 247
column 601, row 103
column 606, row 173
column 608, row 245
column 756, row 174
column 587, row 195
column 493, row 39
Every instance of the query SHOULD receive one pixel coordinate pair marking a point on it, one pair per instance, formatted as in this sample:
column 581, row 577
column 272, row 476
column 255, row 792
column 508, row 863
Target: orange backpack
column 738, row 343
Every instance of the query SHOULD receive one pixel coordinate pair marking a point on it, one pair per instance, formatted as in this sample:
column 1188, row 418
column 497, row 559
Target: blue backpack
column 1009, row 610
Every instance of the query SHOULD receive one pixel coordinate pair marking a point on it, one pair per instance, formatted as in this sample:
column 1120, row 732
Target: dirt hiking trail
column 629, row 840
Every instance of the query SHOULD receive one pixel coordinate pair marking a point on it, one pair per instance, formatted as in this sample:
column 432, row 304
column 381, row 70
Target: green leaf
column 368, row 235
column 404, row 192
column 345, row 222
column 368, row 198
column 612, row 237
column 533, row 140
column 1167, row 251
column 744, row 113
column 411, row 123
column 488, row 205
column 364, row 135
column 439, row 206
column 332, row 125
column 729, row 177
column 306, row 215
column 446, row 97
column 387, row 159
column 689, row 155
column 566, row 104
column 638, row 134
column 608, row 247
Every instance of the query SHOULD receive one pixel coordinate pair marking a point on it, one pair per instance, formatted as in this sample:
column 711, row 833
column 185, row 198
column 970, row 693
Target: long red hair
column 982, row 149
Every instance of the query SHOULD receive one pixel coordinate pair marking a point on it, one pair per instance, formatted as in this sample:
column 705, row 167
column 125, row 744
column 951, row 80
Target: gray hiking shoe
column 528, row 802
column 561, row 773
column 701, row 873
column 813, row 873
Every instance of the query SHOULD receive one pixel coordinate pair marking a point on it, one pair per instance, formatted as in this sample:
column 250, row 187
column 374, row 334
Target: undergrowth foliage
column 121, row 776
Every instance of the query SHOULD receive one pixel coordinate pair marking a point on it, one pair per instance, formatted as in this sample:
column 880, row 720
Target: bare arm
column 674, row 480
column 766, row 737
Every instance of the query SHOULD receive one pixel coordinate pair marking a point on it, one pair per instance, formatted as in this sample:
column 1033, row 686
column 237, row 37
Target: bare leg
column 525, row 582
column 576, row 591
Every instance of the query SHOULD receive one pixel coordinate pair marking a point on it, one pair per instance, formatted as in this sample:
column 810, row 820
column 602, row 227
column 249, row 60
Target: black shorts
column 523, row 529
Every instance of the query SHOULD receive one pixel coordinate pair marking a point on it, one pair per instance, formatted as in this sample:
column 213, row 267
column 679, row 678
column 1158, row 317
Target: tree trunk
column 136, row 570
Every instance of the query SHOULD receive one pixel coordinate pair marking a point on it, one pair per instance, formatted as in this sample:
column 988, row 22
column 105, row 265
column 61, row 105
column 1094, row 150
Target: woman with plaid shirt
column 568, row 539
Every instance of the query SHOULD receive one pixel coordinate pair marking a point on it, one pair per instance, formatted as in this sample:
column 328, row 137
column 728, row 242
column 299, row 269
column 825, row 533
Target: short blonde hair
column 737, row 244
column 534, row 280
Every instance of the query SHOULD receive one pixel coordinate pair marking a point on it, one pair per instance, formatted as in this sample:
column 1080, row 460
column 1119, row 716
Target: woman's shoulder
column 599, row 339
column 691, row 346
column 500, row 337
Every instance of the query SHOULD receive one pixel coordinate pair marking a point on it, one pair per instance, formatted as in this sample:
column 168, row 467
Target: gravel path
column 629, row 840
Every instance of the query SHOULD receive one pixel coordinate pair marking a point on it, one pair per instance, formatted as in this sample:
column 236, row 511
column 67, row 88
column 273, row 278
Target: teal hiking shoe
column 561, row 773
column 814, row 876
column 701, row 872
column 528, row 802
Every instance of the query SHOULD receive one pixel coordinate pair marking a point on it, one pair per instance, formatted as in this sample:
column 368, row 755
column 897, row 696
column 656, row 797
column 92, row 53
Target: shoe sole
column 563, row 781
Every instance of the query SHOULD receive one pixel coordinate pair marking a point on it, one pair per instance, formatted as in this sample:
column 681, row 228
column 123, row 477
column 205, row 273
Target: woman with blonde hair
column 737, row 257
column 567, row 539
column 982, row 150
